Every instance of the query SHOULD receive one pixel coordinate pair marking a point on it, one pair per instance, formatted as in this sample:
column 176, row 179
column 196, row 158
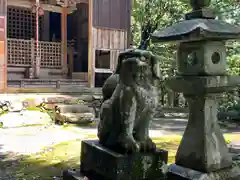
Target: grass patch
column 171, row 143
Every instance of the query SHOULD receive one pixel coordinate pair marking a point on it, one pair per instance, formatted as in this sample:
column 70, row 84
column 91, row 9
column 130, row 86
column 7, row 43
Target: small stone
column 16, row 107
column 76, row 117
column 74, row 108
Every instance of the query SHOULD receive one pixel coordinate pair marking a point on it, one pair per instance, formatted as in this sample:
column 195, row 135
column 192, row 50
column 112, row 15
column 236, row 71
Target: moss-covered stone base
column 111, row 165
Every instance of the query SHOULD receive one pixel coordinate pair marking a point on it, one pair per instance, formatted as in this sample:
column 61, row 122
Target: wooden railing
column 22, row 53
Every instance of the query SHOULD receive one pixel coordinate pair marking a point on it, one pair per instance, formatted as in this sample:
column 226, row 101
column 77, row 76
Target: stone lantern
column 201, row 77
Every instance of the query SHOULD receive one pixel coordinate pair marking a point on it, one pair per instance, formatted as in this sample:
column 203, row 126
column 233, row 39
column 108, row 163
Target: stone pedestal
column 176, row 172
column 114, row 166
column 201, row 77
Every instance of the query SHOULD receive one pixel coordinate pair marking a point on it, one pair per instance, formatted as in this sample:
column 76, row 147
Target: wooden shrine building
column 61, row 43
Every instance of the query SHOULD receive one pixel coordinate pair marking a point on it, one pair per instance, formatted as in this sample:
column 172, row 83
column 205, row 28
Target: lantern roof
column 197, row 29
column 200, row 24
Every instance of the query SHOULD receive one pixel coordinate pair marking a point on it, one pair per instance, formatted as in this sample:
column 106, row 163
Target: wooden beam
column 71, row 9
column 82, row 1
column 81, row 90
column 28, row 4
column 98, row 70
column 91, row 51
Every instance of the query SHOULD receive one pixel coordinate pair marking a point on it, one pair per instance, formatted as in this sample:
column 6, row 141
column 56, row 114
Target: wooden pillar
column 3, row 45
column 91, row 51
column 38, row 59
column 64, row 36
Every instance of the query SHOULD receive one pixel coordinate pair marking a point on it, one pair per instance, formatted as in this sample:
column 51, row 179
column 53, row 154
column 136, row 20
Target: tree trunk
column 145, row 36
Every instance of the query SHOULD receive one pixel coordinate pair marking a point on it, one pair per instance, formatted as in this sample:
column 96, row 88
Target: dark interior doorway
column 55, row 26
column 78, row 32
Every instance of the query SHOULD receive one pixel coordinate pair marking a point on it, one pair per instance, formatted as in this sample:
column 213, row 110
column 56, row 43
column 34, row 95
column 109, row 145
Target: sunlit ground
column 54, row 159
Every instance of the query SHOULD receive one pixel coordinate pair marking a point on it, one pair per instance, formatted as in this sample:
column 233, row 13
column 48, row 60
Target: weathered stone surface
column 185, row 31
column 201, row 77
column 200, row 58
column 77, row 118
column 56, row 99
column 126, row 114
column 159, row 114
column 77, row 175
column 137, row 166
column 17, row 106
column 74, row 108
column 202, row 84
column 76, row 113
column 234, row 147
column 203, row 147
column 73, row 175
column 176, row 172
column 203, row 13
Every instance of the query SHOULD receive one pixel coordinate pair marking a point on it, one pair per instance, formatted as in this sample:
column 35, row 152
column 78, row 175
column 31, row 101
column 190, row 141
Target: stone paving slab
column 23, row 118
column 31, row 140
column 234, row 147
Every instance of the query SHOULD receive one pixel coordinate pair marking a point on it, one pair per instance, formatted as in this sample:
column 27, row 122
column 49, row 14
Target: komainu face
column 126, row 114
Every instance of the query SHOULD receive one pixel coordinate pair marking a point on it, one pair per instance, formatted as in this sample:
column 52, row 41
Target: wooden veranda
column 93, row 32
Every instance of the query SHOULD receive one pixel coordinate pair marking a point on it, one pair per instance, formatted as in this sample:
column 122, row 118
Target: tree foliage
column 151, row 15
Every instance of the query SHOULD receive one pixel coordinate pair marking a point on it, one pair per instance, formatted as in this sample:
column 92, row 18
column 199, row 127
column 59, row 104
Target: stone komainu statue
column 129, row 101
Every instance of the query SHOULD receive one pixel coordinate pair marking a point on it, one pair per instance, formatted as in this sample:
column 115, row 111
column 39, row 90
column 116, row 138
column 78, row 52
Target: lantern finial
column 199, row 4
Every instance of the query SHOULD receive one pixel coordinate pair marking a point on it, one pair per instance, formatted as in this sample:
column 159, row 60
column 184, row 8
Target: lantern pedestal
column 181, row 173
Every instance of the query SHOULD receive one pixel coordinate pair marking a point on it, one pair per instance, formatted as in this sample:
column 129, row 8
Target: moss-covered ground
column 51, row 162
column 54, row 159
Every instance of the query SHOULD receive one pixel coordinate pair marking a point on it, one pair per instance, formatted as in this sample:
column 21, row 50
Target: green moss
column 169, row 143
column 4, row 112
column 49, row 163
column 66, row 155
column 34, row 109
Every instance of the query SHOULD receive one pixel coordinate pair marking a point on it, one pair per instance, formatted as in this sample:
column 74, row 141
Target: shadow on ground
column 44, row 166
column 53, row 160
column 178, row 125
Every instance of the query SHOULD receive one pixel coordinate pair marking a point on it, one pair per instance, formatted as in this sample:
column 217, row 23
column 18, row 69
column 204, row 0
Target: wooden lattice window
column 23, row 53
column 21, row 23
column 50, row 54
column 19, row 52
